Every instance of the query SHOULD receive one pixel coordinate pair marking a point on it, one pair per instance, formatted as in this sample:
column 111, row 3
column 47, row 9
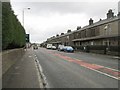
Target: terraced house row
column 99, row 37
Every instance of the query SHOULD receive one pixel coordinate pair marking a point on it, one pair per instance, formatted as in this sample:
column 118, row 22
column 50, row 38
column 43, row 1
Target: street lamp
column 23, row 14
column 23, row 23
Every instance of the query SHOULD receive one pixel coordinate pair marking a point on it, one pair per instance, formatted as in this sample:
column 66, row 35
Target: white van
column 49, row 46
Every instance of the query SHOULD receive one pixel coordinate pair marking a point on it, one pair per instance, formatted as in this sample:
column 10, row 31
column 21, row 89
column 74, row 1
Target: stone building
column 103, row 32
column 102, row 36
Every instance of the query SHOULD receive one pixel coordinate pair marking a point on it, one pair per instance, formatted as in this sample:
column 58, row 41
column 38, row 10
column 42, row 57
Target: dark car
column 35, row 47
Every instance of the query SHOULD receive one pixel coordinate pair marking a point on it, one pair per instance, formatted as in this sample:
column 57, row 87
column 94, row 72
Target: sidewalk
column 23, row 74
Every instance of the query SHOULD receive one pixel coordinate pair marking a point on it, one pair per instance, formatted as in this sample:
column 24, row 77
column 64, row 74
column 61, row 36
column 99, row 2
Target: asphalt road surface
column 78, row 70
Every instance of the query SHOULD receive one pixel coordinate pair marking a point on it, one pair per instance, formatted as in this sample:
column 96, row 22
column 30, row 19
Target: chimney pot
column 90, row 21
column 57, row 35
column 78, row 27
column 62, row 33
column 69, row 31
column 110, row 14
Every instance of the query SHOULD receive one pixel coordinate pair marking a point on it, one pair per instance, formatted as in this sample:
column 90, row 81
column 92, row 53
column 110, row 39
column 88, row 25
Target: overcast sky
column 46, row 19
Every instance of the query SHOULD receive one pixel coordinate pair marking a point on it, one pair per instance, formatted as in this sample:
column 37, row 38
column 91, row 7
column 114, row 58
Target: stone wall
column 9, row 57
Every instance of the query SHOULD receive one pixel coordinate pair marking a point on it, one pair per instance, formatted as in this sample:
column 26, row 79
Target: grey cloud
column 43, row 9
column 93, row 9
column 119, row 6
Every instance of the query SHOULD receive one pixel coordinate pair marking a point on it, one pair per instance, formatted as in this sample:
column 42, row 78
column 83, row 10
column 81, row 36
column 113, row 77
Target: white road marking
column 29, row 56
column 101, row 66
column 109, row 68
column 118, row 78
column 104, row 74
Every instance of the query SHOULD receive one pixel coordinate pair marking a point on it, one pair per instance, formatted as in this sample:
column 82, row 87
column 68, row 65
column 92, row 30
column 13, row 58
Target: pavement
column 23, row 74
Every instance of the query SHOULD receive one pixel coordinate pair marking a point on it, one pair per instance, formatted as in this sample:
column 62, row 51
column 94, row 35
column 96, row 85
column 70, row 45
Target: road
column 78, row 70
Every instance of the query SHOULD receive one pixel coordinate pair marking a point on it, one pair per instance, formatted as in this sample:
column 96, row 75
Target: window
column 92, row 43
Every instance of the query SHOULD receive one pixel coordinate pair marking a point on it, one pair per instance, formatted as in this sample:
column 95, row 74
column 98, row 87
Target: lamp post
column 23, row 23
column 23, row 14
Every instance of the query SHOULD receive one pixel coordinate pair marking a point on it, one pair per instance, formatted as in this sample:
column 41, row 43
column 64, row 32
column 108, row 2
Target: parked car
column 49, row 46
column 68, row 49
column 35, row 47
column 53, row 47
column 61, row 48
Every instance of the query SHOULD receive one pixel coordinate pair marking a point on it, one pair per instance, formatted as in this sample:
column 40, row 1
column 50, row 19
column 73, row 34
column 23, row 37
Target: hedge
column 13, row 33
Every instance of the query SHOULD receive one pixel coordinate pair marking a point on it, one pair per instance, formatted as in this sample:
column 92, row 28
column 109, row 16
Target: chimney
column 100, row 19
column 57, row 35
column 62, row 33
column 78, row 27
column 110, row 14
column 69, row 31
column 90, row 21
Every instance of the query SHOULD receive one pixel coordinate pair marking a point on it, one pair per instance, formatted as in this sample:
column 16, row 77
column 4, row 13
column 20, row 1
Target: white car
column 61, row 48
column 53, row 47
column 49, row 46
